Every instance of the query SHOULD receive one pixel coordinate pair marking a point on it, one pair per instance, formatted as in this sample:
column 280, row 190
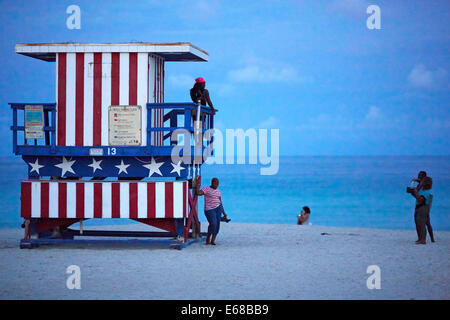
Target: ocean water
column 365, row 192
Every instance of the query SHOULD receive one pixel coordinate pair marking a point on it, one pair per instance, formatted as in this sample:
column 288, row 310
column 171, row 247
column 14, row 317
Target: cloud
column 200, row 10
column 264, row 74
column 270, row 122
column 258, row 71
column 374, row 118
column 181, row 80
column 350, row 8
column 373, row 114
column 423, row 78
column 326, row 121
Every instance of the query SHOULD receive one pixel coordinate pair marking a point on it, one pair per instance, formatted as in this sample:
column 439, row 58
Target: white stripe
column 142, row 88
column 124, row 83
column 70, row 99
column 106, row 95
column 142, row 200
column 71, row 200
column 160, row 199
column 178, row 199
column 106, row 200
column 125, row 200
column 89, row 200
column 35, row 199
column 53, row 199
column 187, row 199
column 88, row 124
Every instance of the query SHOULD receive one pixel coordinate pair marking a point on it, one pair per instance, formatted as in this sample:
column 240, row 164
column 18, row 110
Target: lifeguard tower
column 103, row 148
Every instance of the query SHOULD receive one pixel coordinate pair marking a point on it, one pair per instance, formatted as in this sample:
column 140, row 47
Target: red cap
column 199, row 80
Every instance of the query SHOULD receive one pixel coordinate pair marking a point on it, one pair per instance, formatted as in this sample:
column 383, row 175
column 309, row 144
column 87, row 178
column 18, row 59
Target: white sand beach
column 250, row 261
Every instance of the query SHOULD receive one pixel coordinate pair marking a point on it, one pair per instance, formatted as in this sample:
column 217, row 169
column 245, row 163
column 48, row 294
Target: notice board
column 125, row 126
column 34, row 122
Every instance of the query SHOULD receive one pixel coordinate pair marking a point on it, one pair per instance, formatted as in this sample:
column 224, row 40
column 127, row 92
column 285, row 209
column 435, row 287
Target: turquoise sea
column 341, row 191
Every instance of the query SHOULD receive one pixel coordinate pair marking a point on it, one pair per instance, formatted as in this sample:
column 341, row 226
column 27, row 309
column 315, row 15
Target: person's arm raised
column 197, row 188
column 304, row 217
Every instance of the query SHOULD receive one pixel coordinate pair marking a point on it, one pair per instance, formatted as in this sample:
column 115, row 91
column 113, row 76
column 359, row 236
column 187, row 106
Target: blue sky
column 310, row 68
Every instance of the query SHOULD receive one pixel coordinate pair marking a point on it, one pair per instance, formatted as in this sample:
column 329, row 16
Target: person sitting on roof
column 303, row 217
column 200, row 94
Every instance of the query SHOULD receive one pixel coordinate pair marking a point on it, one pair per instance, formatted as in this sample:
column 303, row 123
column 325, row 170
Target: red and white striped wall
column 156, row 83
column 105, row 199
column 88, row 83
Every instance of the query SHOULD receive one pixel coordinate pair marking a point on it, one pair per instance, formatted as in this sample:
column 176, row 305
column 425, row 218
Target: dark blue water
column 341, row 191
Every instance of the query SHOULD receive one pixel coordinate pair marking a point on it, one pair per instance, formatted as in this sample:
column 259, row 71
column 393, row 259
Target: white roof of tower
column 179, row 51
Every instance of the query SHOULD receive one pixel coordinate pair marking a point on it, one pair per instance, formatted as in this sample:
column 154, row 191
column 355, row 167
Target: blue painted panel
column 105, row 167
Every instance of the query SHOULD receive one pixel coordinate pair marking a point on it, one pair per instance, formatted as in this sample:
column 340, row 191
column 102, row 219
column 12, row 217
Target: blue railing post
column 14, row 128
column 53, row 132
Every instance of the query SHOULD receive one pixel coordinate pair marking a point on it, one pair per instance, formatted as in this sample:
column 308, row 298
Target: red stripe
column 97, row 118
column 79, row 99
column 98, row 200
column 115, row 200
column 44, row 199
column 62, row 200
column 151, row 203
column 25, row 199
column 159, row 99
column 162, row 78
column 115, row 78
column 155, row 136
column 133, row 200
column 154, row 82
column 168, row 199
column 132, row 95
column 62, row 65
column 162, row 96
column 184, row 199
column 79, row 208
